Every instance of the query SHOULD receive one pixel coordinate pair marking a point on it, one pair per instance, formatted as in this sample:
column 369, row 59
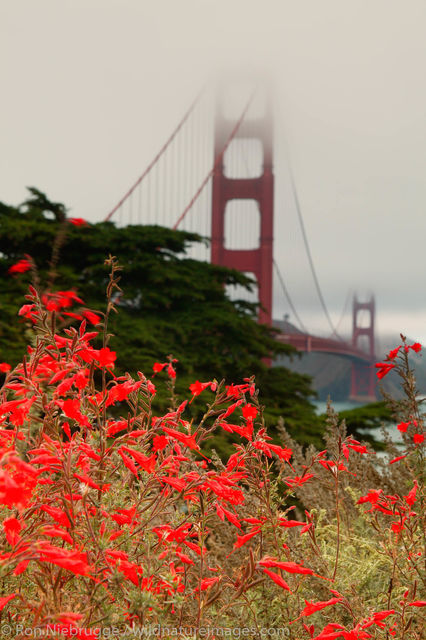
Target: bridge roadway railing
column 309, row 343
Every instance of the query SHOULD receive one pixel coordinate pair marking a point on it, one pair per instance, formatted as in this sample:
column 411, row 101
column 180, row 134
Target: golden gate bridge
column 221, row 186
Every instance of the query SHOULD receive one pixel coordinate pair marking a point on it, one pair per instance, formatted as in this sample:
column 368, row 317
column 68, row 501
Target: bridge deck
column 308, row 343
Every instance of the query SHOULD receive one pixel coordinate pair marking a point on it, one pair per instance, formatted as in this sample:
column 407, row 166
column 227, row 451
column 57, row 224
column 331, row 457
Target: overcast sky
column 91, row 89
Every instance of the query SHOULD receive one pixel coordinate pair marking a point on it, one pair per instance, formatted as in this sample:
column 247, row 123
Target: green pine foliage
column 171, row 304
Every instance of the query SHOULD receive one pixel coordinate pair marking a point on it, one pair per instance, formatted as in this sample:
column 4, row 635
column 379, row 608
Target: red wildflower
column 312, row 607
column 359, row 448
column 147, row 463
column 73, row 561
column 71, row 408
column 17, row 490
column 20, row 267
column 128, row 462
column 85, row 479
column 185, row 559
column 7, row 407
column 237, row 390
column 290, row 567
column 186, row 439
column 27, row 311
column 120, row 392
column 230, row 409
column 124, row 516
column 383, row 369
column 377, row 619
column 93, row 318
column 78, row 222
column 246, row 431
column 171, row 371
column 116, row 535
column 117, row 554
column 106, row 357
column 12, row 528
column 418, row 438
column 393, row 353
column 87, row 354
column 63, row 299
column 159, row 443
column 81, row 379
column 6, row 599
column 411, row 497
column 372, row 496
column 288, row 524
column 282, row 453
column 231, row 517
column 55, row 532
column 417, row 347
column 403, row 426
column 278, row 580
column 67, row 430
column 116, row 426
column 241, row 540
column 235, row 460
column 249, row 412
column 397, row 527
column 398, row 458
column 150, row 387
column 4, row 367
column 158, row 366
column 57, row 514
column 417, row 603
column 198, row 387
column 297, row 481
column 207, row 583
column 130, row 570
column 76, row 316
column 177, row 483
column 219, row 511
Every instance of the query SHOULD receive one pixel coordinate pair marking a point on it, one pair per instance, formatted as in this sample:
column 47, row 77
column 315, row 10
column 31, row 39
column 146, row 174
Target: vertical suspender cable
column 159, row 154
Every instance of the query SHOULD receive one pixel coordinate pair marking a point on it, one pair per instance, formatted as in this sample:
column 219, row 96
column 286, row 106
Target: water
column 321, row 408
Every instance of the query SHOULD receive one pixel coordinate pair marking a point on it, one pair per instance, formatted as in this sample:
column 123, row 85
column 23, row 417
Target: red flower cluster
column 398, row 507
column 171, row 372
column 107, row 505
column 58, row 301
column 383, row 368
column 20, row 267
column 78, row 222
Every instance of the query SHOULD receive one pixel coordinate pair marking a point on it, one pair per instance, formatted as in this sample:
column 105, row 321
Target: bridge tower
column 363, row 380
column 259, row 260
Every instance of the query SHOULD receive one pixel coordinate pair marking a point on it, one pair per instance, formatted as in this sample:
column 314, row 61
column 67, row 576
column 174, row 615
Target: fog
column 91, row 89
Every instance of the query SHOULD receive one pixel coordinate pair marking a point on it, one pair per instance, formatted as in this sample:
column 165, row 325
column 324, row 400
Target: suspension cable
column 158, row 156
column 308, row 252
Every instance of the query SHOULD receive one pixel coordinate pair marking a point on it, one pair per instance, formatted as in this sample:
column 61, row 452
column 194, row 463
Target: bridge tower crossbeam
column 259, row 260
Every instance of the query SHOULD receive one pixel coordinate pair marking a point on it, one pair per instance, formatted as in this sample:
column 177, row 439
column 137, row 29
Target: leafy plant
column 115, row 516
column 170, row 304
